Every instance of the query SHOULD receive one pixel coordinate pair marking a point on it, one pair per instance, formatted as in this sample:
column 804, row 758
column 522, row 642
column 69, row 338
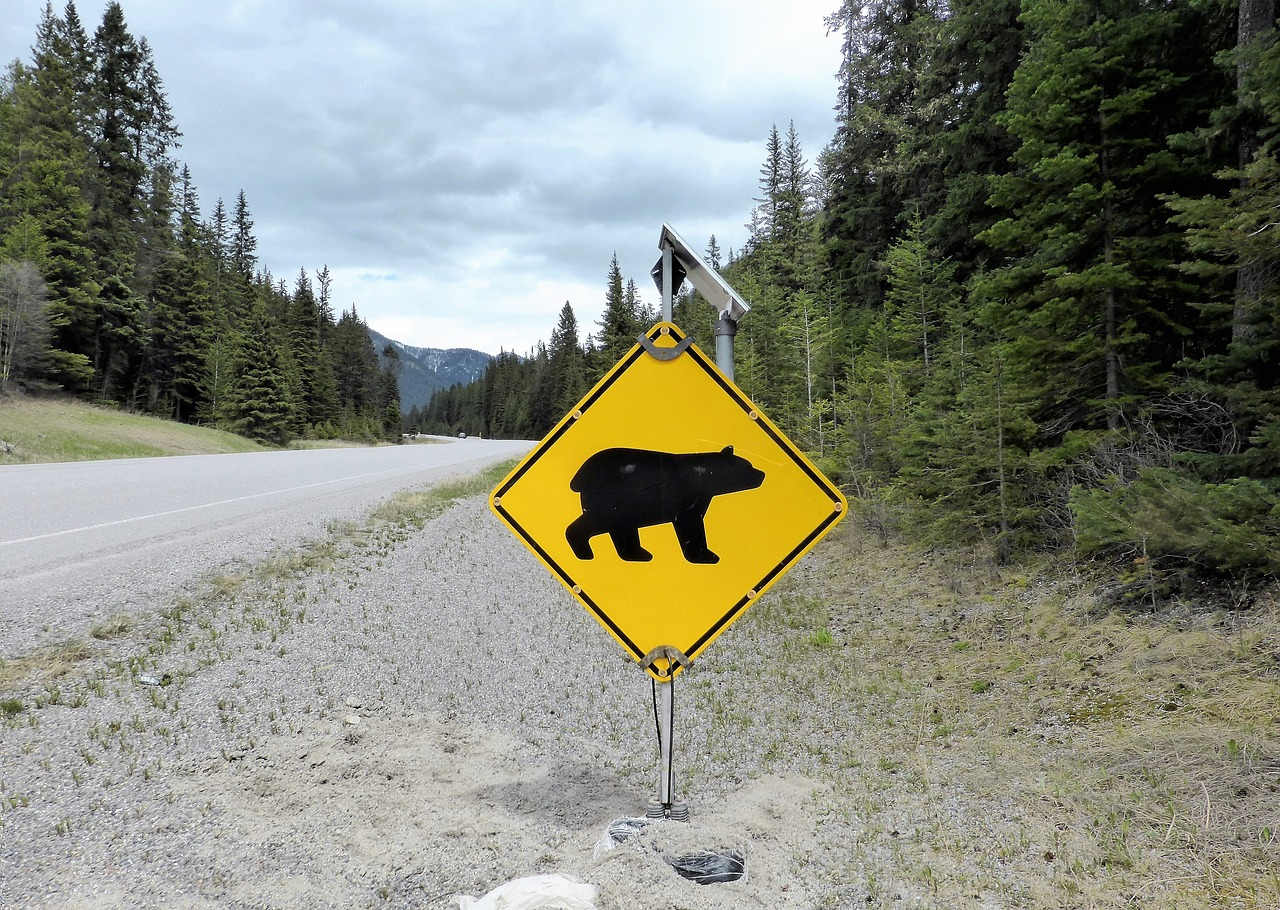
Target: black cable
column 657, row 724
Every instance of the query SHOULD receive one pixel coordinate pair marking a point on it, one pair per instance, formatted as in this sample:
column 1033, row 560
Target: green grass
column 47, row 430
column 1107, row 758
column 417, row 507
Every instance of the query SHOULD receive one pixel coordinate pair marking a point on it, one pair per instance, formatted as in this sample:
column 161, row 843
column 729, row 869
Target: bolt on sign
column 666, row 502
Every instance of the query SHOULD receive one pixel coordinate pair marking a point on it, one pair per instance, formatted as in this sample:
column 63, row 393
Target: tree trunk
column 1004, row 548
column 1256, row 17
column 1110, row 350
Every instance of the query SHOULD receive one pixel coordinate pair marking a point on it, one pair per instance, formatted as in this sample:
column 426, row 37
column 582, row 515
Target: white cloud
column 491, row 156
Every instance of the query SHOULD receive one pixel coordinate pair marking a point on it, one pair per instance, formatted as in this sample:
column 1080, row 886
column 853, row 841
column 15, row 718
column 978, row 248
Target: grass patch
column 417, row 507
column 1124, row 759
column 112, row 628
column 47, row 663
column 309, row 444
column 49, row 430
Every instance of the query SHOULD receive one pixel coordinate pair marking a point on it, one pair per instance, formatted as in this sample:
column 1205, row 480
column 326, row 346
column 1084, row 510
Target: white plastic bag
column 537, row 892
column 619, row 831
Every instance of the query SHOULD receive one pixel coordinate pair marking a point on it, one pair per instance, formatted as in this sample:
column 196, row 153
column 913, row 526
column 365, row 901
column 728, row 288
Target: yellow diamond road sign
column 666, row 502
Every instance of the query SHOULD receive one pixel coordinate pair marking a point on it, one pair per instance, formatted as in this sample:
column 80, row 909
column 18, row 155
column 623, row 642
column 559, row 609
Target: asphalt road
column 83, row 541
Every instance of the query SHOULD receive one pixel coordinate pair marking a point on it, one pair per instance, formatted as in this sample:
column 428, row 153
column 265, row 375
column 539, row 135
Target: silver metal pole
column 668, row 266
column 666, row 722
column 726, row 328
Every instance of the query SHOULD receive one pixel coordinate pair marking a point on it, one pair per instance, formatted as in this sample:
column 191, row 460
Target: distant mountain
column 423, row 370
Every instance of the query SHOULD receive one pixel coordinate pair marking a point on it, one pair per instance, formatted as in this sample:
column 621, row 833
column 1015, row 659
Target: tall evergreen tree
column 562, row 381
column 887, row 100
column 1256, row 21
column 132, row 133
column 180, row 311
column 389, row 392
column 260, row 404
column 44, row 216
column 244, row 245
column 317, row 390
column 1093, row 312
column 620, row 324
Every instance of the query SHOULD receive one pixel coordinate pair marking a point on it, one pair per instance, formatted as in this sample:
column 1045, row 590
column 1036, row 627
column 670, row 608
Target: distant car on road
column 462, row 435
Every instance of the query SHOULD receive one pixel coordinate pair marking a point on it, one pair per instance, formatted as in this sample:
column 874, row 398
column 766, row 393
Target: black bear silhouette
column 624, row 490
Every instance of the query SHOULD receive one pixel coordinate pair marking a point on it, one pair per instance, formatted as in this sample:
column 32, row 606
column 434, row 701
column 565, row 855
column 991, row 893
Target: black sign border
column 733, row 392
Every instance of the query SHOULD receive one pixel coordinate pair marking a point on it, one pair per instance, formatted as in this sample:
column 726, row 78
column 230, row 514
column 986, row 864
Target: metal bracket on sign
column 666, row 353
column 675, row 658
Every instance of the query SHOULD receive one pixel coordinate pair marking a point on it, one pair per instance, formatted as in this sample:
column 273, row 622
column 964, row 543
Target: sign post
column 666, row 502
column 730, row 308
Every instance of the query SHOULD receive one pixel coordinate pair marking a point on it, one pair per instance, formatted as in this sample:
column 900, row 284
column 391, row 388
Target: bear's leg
column 627, row 542
column 579, row 534
column 691, row 531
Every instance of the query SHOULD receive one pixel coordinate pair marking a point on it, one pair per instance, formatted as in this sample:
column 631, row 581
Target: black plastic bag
column 708, row 868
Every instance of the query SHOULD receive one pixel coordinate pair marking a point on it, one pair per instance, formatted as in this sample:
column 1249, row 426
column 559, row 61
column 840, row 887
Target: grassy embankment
column 37, row 430
column 1007, row 737
column 45, row 430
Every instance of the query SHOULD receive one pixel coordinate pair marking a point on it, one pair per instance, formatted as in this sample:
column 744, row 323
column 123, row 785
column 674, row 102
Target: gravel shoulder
column 414, row 709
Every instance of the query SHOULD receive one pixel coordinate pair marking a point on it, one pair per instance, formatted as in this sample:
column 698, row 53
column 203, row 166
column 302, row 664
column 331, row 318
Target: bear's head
column 730, row 473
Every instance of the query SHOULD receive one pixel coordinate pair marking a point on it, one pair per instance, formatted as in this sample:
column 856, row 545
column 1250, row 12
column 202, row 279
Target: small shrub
column 1228, row 527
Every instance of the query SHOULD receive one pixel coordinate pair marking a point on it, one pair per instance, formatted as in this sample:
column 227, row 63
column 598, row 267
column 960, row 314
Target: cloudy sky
column 464, row 167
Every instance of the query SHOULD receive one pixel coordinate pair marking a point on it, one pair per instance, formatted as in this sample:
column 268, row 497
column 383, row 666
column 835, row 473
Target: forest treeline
column 115, row 287
column 1025, row 296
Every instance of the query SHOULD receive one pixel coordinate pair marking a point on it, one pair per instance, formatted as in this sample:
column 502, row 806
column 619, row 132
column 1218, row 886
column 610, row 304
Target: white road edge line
column 206, row 505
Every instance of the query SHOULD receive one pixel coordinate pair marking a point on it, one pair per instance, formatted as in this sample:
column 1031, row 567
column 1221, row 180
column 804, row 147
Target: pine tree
column 764, row 223
column 1231, row 233
column 244, row 245
column 712, row 253
column 793, row 205
column 259, row 404
column 389, row 392
column 317, row 391
column 324, row 305
column 888, row 102
column 542, row 414
column 566, row 363
column 560, row 375
column 355, row 371
column 1089, row 304
column 44, row 216
column 181, row 316
column 1257, row 18
column 620, row 323
column 220, row 236
column 980, row 45
column 132, row 133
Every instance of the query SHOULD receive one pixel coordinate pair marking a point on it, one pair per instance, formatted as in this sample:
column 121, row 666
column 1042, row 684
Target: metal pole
column 668, row 265
column 666, row 723
column 726, row 328
column 664, row 805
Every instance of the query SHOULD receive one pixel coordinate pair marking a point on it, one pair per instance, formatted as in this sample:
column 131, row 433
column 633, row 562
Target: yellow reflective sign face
column 666, row 502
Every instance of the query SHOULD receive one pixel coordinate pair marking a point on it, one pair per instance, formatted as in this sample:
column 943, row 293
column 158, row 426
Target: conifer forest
column 1023, row 298
column 115, row 287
